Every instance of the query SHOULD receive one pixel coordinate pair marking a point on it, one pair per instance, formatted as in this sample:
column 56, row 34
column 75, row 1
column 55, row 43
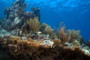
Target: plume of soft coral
column 62, row 35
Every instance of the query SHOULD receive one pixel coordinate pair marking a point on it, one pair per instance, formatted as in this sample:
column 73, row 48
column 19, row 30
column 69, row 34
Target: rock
column 14, row 32
column 47, row 43
column 24, row 38
column 16, row 21
column 86, row 51
column 3, row 31
column 76, row 43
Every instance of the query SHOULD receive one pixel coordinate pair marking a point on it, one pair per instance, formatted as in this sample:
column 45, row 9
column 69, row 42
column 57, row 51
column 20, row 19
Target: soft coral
column 62, row 35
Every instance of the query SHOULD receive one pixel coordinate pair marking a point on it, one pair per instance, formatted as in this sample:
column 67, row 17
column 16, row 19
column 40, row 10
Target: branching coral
column 43, row 26
column 53, row 35
column 34, row 24
column 48, row 30
column 64, row 37
column 74, row 34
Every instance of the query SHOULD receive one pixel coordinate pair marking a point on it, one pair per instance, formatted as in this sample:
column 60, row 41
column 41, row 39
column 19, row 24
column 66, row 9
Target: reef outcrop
column 31, row 49
column 15, row 16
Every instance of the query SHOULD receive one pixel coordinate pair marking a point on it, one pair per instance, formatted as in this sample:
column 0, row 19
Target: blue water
column 74, row 13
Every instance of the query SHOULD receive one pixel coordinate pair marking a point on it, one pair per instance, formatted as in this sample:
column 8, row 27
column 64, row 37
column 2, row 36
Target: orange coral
column 29, row 42
column 56, row 42
column 36, row 48
column 15, row 38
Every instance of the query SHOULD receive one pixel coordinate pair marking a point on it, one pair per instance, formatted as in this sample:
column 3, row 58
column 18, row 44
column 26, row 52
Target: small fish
column 39, row 32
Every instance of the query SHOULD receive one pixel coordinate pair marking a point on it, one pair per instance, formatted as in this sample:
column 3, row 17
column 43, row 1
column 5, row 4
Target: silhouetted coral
column 43, row 26
column 88, row 42
column 81, row 40
column 36, row 12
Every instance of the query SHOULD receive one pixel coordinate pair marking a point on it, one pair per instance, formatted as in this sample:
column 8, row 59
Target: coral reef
column 23, row 37
column 16, row 16
column 40, row 50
